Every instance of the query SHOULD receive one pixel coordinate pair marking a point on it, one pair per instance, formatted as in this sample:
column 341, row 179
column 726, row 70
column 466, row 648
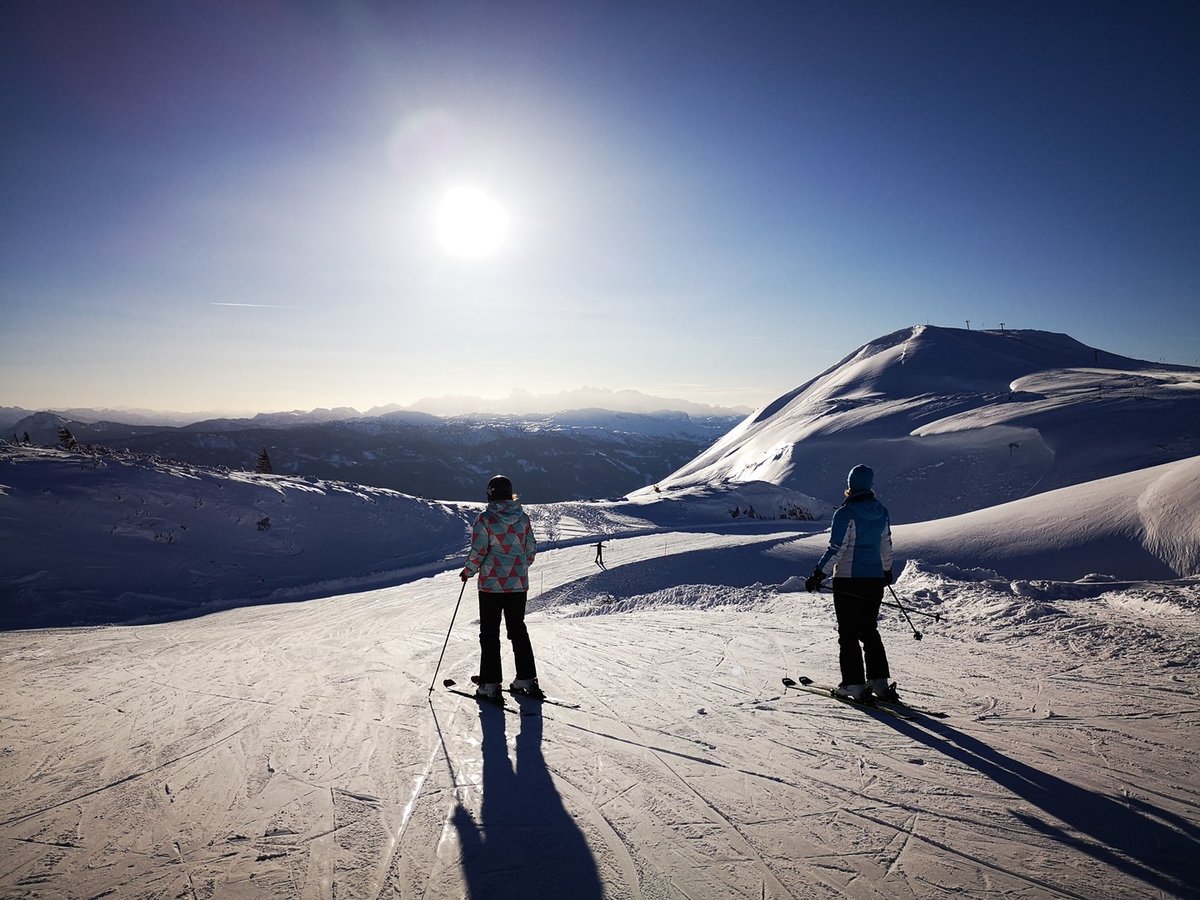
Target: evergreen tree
column 264, row 462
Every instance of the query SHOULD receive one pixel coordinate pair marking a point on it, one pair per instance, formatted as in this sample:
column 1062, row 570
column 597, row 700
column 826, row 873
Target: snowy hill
column 88, row 539
column 955, row 420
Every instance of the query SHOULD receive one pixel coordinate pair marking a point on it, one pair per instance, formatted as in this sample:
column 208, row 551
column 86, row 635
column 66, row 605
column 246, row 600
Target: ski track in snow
column 295, row 751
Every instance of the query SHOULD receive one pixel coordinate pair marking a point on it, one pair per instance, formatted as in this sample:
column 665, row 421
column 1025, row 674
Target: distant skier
column 860, row 549
column 502, row 549
column 600, row 556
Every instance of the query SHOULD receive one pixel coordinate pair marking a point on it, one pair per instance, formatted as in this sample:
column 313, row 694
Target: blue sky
column 232, row 205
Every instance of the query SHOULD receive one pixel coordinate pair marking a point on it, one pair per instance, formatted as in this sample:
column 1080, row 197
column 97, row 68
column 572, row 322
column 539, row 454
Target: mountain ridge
column 997, row 407
column 518, row 403
column 573, row 455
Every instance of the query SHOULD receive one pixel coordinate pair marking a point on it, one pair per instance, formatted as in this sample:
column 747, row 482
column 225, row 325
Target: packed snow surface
column 296, row 750
column 216, row 742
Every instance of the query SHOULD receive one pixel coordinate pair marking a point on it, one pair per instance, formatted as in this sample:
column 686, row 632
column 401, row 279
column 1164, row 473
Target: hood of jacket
column 507, row 511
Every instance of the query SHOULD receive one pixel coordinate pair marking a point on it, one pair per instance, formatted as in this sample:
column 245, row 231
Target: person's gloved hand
column 813, row 582
column 887, row 577
column 465, row 575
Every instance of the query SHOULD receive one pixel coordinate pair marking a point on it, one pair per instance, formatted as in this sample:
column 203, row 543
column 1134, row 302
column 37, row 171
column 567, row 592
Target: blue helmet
column 861, row 478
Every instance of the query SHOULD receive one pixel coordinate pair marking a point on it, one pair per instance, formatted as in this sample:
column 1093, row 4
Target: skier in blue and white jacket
column 860, row 551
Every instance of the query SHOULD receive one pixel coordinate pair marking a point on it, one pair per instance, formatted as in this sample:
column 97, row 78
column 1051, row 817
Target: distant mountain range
column 524, row 403
column 518, row 403
column 579, row 454
column 952, row 420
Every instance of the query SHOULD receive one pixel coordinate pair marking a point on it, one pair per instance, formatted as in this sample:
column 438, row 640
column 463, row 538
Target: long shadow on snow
column 1134, row 837
column 525, row 844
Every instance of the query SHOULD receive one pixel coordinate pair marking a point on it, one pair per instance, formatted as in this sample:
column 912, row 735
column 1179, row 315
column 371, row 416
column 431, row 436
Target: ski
column 900, row 704
column 825, row 691
column 879, row 701
column 487, row 701
column 553, row 701
column 499, row 701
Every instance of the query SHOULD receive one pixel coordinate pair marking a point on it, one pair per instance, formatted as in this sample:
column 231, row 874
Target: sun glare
column 471, row 223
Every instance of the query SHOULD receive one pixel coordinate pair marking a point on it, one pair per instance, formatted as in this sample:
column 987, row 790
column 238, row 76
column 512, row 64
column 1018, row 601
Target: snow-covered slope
column 955, row 420
column 1144, row 524
column 89, row 539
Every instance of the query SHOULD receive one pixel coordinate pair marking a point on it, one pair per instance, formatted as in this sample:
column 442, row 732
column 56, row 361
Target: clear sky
column 239, row 205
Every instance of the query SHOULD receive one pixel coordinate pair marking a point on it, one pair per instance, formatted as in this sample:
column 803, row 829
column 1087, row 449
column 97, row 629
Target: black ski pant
column 510, row 606
column 856, row 602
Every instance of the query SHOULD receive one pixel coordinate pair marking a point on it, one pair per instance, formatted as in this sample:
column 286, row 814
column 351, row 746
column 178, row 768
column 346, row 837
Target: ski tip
column 448, row 682
column 804, row 680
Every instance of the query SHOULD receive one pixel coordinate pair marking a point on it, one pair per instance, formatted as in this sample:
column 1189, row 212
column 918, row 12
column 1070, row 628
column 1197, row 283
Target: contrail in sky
column 258, row 305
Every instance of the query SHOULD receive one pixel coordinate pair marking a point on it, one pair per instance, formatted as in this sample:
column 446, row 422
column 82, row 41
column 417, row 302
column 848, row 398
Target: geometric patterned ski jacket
column 502, row 548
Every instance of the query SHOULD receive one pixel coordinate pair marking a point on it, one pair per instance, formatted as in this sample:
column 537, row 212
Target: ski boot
column 856, row 692
column 885, row 690
column 527, row 687
column 489, row 691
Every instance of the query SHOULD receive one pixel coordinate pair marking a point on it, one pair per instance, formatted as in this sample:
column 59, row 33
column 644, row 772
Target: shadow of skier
column 1132, row 836
column 525, row 844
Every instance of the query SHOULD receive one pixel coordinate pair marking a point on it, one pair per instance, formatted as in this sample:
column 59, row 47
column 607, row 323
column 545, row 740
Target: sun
column 471, row 223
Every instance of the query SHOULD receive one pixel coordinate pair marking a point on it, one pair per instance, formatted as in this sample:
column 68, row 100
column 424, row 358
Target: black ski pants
column 856, row 602
column 510, row 606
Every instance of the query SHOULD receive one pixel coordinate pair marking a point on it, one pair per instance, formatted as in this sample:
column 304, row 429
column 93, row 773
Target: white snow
column 295, row 749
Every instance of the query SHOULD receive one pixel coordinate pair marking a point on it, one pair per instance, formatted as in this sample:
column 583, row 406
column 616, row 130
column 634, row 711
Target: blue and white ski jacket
column 860, row 539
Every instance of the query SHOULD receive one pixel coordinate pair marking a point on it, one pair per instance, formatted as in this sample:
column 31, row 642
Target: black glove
column 887, row 577
column 813, row 582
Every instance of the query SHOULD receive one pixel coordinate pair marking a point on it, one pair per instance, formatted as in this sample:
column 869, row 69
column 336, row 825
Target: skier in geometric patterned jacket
column 860, row 549
column 502, row 549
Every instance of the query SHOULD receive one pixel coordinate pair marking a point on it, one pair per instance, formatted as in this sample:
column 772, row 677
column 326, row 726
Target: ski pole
column 916, row 612
column 448, row 630
column 898, row 605
column 937, row 617
column 916, row 634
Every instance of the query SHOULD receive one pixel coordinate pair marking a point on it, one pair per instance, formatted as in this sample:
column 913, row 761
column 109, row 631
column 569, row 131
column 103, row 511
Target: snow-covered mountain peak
column 995, row 415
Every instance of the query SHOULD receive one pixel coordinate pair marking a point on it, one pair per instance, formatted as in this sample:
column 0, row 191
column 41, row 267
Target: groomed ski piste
column 233, row 744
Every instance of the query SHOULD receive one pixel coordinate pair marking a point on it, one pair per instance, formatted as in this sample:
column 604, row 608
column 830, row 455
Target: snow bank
column 91, row 539
column 1143, row 524
column 1101, row 618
